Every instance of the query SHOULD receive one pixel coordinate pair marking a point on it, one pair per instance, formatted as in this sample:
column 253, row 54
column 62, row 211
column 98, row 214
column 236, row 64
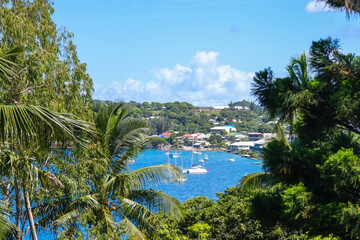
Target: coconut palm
column 350, row 6
column 264, row 89
column 117, row 199
column 25, row 127
column 7, row 229
column 282, row 97
column 271, row 176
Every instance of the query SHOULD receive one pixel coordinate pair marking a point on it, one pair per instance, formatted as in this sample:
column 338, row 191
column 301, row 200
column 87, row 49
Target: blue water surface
column 221, row 172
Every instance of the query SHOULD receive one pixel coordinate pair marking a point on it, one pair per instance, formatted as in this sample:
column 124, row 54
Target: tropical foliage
column 310, row 186
column 114, row 201
column 184, row 118
column 71, row 177
column 350, row 6
column 87, row 189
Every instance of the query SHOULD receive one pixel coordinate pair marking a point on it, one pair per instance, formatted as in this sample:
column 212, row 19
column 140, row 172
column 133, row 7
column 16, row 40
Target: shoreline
column 189, row 149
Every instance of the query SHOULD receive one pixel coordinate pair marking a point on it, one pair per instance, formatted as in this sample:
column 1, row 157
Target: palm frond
column 66, row 218
column 7, row 65
column 350, row 6
column 132, row 231
column 7, row 229
column 128, row 132
column 281, row 135
column 138, row 215
column 255, row 180
column 49, row 212
column 157, row 200
column 133, row 149
column 105, row 221
column 118, row 113
column 32, row 123
column 118, row 185
column 153, row 174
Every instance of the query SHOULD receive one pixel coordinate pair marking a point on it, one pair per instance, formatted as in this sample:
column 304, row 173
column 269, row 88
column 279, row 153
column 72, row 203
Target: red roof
column 188, row 136
column 194, row 135
column 255, row 134
column 166, row 134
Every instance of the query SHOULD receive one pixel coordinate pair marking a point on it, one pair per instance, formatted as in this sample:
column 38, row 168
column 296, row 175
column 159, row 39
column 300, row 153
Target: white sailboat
column 195, row 168
column 174, row 156
column 206, row 157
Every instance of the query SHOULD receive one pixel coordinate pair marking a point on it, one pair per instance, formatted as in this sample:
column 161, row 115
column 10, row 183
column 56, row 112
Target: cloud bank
column 203, row 82
column 315, row 7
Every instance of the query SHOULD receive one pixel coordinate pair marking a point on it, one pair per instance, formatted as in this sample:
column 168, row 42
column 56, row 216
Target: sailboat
column 195, row 168
column 174, row 156
column 206, row 157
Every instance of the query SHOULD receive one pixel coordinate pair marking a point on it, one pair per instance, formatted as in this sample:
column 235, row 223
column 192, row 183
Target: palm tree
column 264, row 89
column 117, row 199
column 21, row 128
column 7, row 229
column 296, row 93
column 282, row 97
column 351, row 6
column 272, row 173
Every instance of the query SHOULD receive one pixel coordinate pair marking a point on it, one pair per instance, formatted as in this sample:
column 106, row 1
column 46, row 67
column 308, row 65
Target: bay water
column 221, row 174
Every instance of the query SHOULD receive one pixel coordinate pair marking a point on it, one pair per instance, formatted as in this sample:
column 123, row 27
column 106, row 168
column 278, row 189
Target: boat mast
column 192, row 151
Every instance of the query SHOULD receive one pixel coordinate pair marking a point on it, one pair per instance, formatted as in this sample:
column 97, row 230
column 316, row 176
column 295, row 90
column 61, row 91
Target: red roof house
column 166, row 134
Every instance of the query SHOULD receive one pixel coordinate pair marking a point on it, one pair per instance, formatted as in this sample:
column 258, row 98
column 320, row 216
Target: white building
column 220, row 129
column 241, row 108
column 241, row 145
column 220, row 107
column 248, row 145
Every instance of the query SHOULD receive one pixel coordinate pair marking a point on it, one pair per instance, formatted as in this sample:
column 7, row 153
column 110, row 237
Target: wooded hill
column 183, row 117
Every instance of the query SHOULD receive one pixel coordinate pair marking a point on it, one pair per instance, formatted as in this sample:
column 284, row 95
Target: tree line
column 310, row 186
column 63, row 167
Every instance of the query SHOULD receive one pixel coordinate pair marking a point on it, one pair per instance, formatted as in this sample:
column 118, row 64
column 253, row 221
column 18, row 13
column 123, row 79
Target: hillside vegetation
column 183, row 117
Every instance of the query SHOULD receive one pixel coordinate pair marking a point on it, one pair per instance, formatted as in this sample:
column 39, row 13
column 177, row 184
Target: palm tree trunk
column 18, row 206
column 29, row 213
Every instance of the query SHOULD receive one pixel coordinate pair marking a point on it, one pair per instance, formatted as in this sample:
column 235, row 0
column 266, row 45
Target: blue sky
column 200, row 51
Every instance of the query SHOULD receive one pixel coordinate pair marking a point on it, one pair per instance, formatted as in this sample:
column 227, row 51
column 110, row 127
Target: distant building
column 195, row 136
column 255, row 146
column 241, row 146
column 202, row 109
column 258, row 146
column 237, row 136
column 220, row 129
column 207, row 136
column 241, row 108
column 152, row 117
column 165, row 134
column 268, row 136
column 220, row 107
column 255, row 136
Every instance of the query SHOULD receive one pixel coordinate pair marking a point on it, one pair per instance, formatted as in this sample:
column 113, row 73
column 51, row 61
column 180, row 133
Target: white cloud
column 203, row 82
column 315, row 6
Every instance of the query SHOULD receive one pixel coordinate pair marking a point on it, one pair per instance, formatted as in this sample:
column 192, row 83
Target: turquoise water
column 221, row 173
